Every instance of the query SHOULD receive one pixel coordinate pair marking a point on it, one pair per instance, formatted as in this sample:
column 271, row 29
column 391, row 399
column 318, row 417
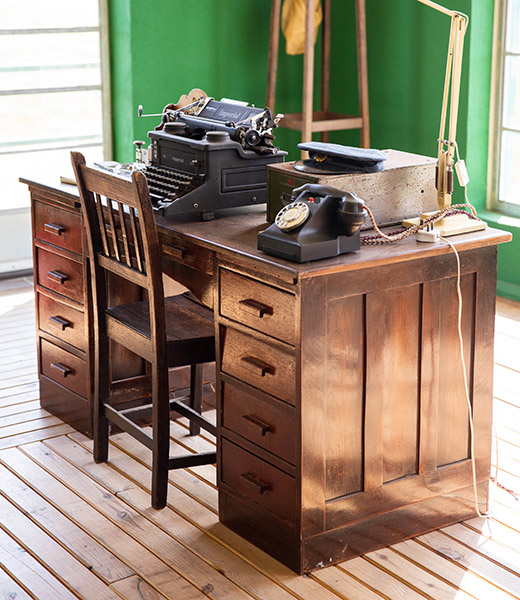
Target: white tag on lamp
column 462, row 173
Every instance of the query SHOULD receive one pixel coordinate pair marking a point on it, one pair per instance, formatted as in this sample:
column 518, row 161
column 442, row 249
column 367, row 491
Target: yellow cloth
column 293, row 24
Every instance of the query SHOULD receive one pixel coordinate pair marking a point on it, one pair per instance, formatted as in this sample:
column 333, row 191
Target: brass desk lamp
column 447, row 147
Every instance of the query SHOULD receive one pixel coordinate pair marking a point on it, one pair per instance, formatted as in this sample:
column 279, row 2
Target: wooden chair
column 166, row 332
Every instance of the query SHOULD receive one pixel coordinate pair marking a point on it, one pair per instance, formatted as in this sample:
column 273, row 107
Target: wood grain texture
column 26, row 568
column 64, row 368
column 393, row 346
column 345, row 394
column 54, row 557
column 258, row 481
column 475, row 559
column 430, row 372
column 380, row 398
column 122, row 240
column 62, row 321
column 60, row 274
column 401, row 287
column 58, row 226
column 252, row 303
column 259, row 362
column 259, row 418
column 453, row 430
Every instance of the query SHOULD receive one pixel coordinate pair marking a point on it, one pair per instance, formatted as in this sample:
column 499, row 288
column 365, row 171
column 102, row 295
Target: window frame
column 496, row 112
column 105, row 79
column 103, row 87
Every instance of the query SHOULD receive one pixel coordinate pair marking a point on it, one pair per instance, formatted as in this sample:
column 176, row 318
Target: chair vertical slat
column 111, row 220
column 124, row 234
column 137, row 240
column 102, row 227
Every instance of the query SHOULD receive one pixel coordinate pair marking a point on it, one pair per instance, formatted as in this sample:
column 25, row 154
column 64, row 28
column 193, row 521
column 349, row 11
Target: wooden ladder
column 324, row 121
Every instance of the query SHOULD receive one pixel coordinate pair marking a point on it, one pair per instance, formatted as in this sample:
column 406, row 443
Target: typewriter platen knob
column 217, row 136
column 252, row 137
column 175, row 128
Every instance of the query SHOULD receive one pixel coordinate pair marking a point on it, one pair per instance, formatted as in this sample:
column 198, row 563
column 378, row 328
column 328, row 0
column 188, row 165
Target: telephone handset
column 320, row 222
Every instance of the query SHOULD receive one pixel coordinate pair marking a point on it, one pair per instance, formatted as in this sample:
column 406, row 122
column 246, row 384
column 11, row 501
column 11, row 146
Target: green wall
column 162, row 49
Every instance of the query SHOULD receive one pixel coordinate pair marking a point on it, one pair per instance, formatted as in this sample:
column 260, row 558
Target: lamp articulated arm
column 446, row 147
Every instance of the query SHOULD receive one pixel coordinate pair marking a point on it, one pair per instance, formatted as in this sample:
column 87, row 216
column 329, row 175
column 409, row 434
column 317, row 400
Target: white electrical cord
column 466, row 385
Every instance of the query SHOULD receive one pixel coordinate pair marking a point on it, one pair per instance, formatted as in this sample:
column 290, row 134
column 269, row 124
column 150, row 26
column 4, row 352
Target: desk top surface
column 233, row 234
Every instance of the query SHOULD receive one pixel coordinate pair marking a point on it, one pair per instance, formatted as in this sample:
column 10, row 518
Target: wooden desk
column 342, row 423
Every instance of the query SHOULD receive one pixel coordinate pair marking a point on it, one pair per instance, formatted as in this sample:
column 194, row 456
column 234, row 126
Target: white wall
column 15, row 240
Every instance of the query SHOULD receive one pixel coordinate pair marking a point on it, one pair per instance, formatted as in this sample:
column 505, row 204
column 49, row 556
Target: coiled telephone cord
column 383, row 238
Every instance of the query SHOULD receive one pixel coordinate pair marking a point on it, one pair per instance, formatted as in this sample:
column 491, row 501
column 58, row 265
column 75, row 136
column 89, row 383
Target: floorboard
column 74, row 529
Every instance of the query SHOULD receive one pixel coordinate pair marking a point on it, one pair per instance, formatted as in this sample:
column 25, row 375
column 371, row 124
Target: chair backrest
column 122, row 239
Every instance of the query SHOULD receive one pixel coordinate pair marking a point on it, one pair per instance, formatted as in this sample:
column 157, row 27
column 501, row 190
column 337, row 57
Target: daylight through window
column 505, row 166
column 50, row 90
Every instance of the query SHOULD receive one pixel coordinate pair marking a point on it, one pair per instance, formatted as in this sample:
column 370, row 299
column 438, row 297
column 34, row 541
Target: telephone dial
column 320, row 222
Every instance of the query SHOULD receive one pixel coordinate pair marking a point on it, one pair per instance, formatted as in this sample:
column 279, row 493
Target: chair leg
column 101, row 427
column 195, row 394
column 159, row 480
column 161, row 437
column 100, row 424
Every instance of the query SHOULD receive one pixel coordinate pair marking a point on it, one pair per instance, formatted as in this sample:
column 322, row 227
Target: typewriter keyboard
column 166, row 185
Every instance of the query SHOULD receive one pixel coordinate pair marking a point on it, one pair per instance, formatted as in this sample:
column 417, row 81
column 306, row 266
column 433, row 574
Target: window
column 505, row 141
column 51, row 93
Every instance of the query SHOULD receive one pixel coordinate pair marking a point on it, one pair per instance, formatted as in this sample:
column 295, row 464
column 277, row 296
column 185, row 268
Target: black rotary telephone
column 320, row 222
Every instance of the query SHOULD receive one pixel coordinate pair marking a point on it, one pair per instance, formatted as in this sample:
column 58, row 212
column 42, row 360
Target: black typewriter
column 209, row 155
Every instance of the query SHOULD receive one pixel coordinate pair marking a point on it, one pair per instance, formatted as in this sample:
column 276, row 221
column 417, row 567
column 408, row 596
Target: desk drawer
column 264, row 421
column 187, row 254
column 63, row 367
column 267, row 367
column 259, row 481
column 58, row 227
column 62, row 321
column 262, row 307
column 60, row 274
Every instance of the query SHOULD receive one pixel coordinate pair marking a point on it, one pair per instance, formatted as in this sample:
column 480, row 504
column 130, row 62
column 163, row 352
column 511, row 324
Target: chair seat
column 189, row 328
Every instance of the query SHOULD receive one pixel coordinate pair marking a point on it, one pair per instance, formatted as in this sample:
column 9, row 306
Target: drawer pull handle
column 60, row 322
column 255, row 421
column 256, row 308
column 260, row 485
column 175, row 252
column 53, row 228
column 64, row 371
column 258, row 366
column 58, row 277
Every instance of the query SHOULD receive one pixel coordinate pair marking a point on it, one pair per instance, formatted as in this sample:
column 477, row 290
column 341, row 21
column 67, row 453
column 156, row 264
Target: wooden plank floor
column 72, row 529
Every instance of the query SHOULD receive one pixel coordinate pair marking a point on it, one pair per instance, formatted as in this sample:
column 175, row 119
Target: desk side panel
column 384, row 419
